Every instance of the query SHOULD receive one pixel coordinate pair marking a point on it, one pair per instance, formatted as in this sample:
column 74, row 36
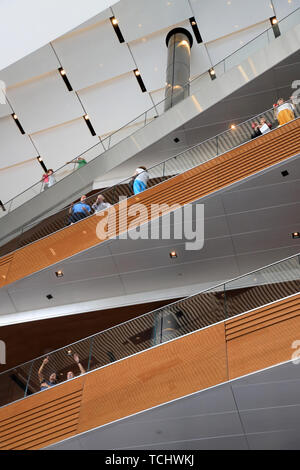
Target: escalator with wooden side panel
column 187, row 347
column 53, row 241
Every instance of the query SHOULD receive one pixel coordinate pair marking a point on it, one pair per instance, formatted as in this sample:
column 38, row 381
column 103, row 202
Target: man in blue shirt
column 79, row 210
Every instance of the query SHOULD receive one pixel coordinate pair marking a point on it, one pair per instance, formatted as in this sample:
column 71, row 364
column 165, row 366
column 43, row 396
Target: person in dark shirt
column 44, row 384
column 256, row 130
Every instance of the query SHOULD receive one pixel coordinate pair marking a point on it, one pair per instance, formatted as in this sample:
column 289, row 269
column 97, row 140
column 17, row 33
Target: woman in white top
column 141, row 176
column 284, row 112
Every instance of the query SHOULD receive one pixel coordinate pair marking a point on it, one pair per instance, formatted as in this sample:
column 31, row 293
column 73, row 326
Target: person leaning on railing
column 79, row 161
column 141, row 177
column 79, row 210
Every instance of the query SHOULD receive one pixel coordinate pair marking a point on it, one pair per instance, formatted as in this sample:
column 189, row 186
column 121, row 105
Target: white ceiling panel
column 14, row 147
column 63, row 143
column 103, row 103
column 138, row 18
column 221, row 48
column 285, row 7
column 150, row 53
column 93, row 55
column 6, row 305
column 263, row 258
column 91, row 289
column 221, row 17
column 158, row 96
column 267, row 239
column 38, row 63
column 44, row 102
column 82, row 271
column 172, row 277
column 5, row 110
column 24, row 176
column 104, row 15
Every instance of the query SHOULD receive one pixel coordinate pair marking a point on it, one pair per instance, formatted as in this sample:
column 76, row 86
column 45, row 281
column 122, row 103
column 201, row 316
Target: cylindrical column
column 179, row 42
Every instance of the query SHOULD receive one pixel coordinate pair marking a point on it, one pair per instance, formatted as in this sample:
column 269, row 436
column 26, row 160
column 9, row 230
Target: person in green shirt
column 80, row 162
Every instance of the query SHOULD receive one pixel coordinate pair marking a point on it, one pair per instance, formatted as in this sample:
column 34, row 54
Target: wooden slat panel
column 64, row 408
column 215, row 174
column 52, row 414
column 42, row 430
column 279, row 318
column 266, row 345
column 39, row 409
column 261, row 313
column 161, row 374
column 156, row 376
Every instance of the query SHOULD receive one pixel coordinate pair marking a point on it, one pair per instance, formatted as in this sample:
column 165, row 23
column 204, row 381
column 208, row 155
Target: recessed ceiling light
column 140, row 25
column 40, row 160
column 173, row 254
column 15, row 118
column 296, row 234
column 137, row 74
column 195, row 29
column 49, row 296
column 212, row 73
column 176, row 140
column 59, row 273
column 275, row 26
column 89, row 124
column 115, row 25
column 65, row 78
column 233, row 126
